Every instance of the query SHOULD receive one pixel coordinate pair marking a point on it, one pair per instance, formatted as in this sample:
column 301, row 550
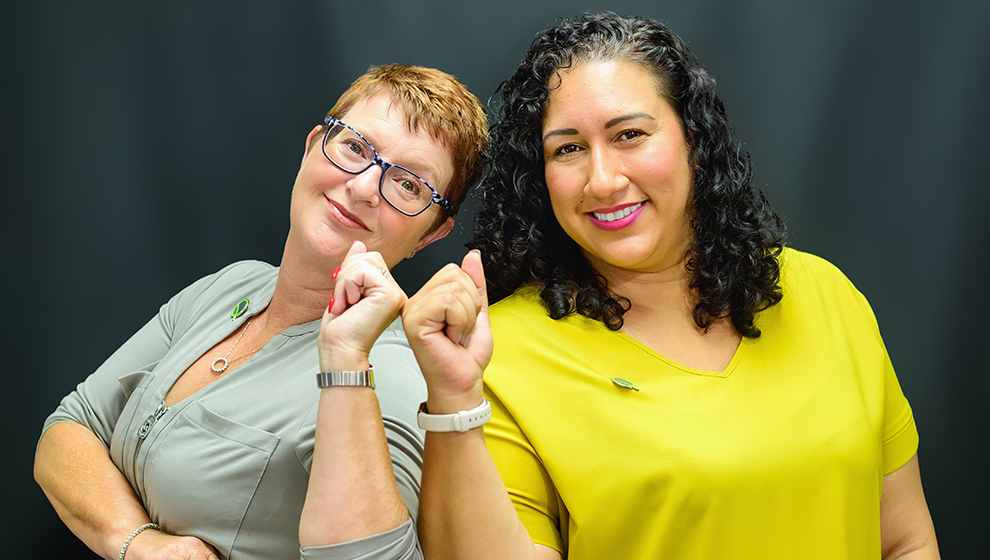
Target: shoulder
column 241, row 273
column 799, row 263
column 811, row 284
column 524, row 303
column 526, row 337
column 523, row 318
column 235, row 277
column 801, row 268
column 216, row 294
column 800, row 271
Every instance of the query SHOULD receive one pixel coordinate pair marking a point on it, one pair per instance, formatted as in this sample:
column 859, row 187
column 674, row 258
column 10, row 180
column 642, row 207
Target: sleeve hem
column 900, row 447
column 48, row 424
column 541, row 529
column 400, row 543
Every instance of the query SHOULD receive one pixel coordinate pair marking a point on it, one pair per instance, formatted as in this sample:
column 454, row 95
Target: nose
column 607, row 174
column 363, row 187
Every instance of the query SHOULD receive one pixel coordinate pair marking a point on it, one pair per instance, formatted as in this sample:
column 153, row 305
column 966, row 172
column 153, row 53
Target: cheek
column 563, row 188
column 294, row 197
column 301, row 190
column 672, row 174
column 318, row 173
column 399, row 234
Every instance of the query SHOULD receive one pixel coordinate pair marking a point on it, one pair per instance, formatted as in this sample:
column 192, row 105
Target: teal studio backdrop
column 145, row 145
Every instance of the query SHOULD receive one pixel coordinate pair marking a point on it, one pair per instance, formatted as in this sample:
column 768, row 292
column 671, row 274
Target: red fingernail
column 329, row 307
column 335, row 272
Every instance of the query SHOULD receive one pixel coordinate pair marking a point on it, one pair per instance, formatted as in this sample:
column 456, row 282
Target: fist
column 365, row 300
column 447, row 326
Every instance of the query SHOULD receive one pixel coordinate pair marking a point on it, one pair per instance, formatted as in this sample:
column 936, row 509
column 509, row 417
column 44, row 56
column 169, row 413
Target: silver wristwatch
column 362, row 378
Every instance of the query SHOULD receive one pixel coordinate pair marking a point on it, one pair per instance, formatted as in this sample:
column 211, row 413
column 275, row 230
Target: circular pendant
column 219, row 369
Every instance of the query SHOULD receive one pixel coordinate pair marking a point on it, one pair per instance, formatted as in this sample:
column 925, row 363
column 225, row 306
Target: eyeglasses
column 402, row 189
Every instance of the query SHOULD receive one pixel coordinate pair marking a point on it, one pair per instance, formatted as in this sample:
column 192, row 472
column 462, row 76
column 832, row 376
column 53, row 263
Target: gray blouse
column 230, row 464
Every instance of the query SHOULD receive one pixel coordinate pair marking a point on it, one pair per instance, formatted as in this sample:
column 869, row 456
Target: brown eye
column 566, row 149
column 631, row 134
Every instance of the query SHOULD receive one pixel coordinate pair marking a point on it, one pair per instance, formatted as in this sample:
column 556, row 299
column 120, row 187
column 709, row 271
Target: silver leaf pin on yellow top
column 625, row 383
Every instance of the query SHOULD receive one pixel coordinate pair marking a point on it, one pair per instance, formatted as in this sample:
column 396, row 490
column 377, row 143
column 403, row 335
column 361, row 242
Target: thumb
column 479, row 342
column 356, row 249
column 471, row 265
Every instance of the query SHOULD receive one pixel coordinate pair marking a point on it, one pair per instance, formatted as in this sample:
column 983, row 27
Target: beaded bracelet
column 134, row 533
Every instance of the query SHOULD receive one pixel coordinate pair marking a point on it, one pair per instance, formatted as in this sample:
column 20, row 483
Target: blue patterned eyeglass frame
column 435, row 199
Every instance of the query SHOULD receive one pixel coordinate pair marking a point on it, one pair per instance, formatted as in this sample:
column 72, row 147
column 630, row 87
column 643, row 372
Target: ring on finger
column 384, row 272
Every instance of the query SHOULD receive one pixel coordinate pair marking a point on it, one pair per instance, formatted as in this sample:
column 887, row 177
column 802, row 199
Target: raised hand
column 447, row 325
column 365, row 300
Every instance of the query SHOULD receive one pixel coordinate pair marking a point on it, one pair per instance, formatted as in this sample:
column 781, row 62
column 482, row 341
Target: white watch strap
column 362, row 378
column 458, row 422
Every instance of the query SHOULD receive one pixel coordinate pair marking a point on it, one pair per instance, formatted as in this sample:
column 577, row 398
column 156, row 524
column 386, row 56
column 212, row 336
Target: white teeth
column 612, row 216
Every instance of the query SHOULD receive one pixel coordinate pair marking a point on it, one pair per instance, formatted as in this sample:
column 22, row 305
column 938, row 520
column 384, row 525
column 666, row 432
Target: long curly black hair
column 732, row 261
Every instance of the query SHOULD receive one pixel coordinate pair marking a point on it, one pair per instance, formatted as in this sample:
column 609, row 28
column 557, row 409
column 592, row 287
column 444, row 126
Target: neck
column 663, row 290
column 661, row 317
column 303, row 289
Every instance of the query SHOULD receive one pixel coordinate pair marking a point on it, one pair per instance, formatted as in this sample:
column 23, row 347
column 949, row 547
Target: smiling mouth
column 613, row 216
column 345, row 217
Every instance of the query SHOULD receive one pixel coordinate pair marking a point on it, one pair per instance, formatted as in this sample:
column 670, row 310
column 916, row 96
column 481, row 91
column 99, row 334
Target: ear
column 436, row 234
column 309, row 142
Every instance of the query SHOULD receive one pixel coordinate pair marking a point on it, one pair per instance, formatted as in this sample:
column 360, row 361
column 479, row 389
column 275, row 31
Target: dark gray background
column 148, row 144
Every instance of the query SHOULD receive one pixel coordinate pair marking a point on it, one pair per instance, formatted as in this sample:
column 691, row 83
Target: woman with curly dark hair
column 668, row 381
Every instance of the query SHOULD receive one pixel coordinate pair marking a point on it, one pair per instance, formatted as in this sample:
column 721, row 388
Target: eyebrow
column 609, row 124
column 424, row 171
column 560, row 132
column 617, row 120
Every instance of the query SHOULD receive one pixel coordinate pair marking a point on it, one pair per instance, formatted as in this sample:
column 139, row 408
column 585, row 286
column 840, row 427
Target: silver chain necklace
column 223, row 361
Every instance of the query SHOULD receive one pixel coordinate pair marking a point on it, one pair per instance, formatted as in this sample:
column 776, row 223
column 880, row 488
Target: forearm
column 352, row 490
column 465, row 511
column 89, row 494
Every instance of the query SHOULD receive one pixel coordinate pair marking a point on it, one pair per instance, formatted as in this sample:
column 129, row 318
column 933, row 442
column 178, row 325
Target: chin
column 318, row 243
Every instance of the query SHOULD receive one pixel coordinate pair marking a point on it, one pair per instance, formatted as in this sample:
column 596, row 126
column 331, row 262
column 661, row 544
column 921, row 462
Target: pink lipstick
column 616, row 217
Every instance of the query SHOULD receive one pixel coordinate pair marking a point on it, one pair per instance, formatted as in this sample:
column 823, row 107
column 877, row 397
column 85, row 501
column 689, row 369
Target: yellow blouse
column 782, row 455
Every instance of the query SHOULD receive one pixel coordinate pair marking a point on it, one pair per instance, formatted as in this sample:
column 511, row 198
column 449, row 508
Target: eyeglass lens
column 400, row 187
